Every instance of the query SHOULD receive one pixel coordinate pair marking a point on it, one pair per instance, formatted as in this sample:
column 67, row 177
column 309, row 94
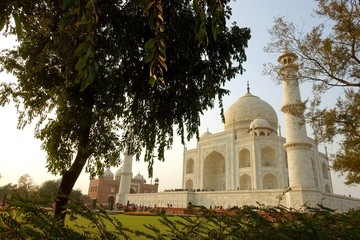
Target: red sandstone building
column 103, row 190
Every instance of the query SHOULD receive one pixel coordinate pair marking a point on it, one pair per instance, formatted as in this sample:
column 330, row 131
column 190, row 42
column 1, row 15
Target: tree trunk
column 70, row 176
column 67, row 183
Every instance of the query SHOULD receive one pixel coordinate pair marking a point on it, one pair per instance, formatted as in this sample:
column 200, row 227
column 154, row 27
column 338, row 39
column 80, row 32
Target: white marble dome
column 140, row 177
column 206, row 134
column 247, row 108
column 108, row 174
column 259, row 123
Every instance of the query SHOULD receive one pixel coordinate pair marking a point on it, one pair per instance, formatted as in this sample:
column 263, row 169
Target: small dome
column 118, row 172
column 108, row 174
column 156, row 180
column 259, row 123
column 205, row 134
column 139, row 177
column 247, row 108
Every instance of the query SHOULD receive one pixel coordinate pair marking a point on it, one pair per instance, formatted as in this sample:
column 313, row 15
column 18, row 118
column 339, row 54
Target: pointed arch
column 315, row 174
column 245, row 182
column 268, row 157
column 189, row 184
column 190, row 166
column 214, row 172
column 325, row 171
column 244, row 158
column 270, row 181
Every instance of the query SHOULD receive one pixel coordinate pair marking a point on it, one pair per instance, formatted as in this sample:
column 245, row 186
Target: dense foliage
column 248, row 222
column 344, row 120
column 329, row 56
column 44, row 195
column 108, row 45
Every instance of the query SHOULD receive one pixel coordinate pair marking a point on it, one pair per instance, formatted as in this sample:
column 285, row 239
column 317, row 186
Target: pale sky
column 20, row 153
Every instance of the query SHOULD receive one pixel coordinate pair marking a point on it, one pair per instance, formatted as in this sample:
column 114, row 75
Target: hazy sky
column 20, row 153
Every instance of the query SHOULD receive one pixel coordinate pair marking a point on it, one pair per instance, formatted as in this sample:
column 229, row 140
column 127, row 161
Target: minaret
column 297, row 144
column 125, row 180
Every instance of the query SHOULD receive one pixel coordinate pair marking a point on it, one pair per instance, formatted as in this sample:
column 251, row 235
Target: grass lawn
column 129, row 221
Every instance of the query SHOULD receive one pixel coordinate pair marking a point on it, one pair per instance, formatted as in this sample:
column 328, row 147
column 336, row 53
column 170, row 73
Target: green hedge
column 27, row 221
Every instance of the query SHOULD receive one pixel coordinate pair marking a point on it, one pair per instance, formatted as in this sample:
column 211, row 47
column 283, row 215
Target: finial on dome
column 248, row 87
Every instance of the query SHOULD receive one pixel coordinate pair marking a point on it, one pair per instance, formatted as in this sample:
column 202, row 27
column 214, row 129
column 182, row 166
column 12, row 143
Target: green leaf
column 81, row 74
column 2, row 23
column 201, row 36
column 150, row 45
column 149, row 57
column 215, row 30
column 68, row 3
column 83, row 47
column 90, row 53
column 87, row 80
column 96, row 66
column 18, row 28
column 90, row 4
column 26, row 26
column 152, row 81
column 65, row 19
column 84, row 20
column 81, row 63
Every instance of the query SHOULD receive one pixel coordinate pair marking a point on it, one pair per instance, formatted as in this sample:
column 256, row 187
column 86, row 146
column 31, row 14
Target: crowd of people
column 188, row 190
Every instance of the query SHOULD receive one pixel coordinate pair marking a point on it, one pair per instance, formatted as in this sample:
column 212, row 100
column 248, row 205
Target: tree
column 6, row 192
column 329, row 56
column 79, row 123
column 76, row 195
column 344, row 120
column 25, row 184
column 47, row 192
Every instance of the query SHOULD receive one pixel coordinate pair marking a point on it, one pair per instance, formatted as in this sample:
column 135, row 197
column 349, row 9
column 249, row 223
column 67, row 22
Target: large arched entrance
column 214, row 172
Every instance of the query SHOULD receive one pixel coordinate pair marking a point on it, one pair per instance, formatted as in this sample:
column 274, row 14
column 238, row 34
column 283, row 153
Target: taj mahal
column 250, row 162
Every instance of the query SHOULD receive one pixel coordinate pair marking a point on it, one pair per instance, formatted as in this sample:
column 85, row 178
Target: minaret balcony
column 296, row 109
column 298, row 145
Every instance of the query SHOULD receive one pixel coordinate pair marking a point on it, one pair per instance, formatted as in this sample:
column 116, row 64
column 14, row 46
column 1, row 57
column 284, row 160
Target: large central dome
column 247, row 108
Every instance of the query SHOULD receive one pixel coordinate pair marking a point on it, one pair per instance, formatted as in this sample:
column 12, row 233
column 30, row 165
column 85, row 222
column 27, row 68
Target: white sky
column 20, row 153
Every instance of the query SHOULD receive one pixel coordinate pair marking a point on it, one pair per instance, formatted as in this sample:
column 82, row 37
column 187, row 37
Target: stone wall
column 339, row 202
column 225, row 199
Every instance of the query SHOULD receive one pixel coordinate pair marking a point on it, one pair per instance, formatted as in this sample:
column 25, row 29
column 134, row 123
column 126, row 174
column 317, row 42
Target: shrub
column 27, row 221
